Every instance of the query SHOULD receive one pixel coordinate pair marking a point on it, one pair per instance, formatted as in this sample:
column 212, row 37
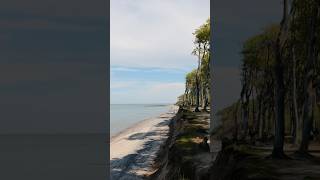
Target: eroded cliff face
column 185, row 155
column 226, row 165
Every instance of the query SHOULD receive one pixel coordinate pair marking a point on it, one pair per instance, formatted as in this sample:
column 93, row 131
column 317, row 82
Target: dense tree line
column 280, row 80
column 197, row 90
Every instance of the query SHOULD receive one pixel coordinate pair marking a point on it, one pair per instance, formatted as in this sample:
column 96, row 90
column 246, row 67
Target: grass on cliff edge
column 194, row 127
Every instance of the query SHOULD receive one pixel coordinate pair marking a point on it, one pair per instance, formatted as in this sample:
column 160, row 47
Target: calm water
column 123, row 116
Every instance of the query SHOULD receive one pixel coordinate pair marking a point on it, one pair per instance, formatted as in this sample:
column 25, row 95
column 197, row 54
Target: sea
column 123, row 116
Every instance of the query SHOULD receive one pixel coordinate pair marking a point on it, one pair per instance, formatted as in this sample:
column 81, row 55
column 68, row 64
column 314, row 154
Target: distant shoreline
column 130, row 128
column 139, row 124
column 114, row 134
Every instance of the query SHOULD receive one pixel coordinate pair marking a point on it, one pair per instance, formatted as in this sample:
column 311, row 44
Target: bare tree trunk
column 270, row 119
column 206, row 100
column 235, row 133
column 258, row 126
column 253, row 110
column 279, row 125
column 203, row 104
column 298, row 125
column 198, row 84
column 309, row 89
column 280, row 91
column 293, row 124
column 263, row 123
column 308, row 117
column 245, row 95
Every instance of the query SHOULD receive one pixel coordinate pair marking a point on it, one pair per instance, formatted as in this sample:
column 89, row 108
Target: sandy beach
column 132, row 151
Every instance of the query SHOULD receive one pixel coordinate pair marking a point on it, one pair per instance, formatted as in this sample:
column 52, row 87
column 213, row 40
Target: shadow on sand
column 128, row 166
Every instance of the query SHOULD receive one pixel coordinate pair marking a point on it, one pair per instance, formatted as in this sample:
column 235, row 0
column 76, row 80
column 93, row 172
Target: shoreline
column 170, row 106
column 132, row 126
column 134, row 149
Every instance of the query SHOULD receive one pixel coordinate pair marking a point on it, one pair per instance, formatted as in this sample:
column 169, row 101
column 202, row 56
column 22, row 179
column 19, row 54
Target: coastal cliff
column 185, row 155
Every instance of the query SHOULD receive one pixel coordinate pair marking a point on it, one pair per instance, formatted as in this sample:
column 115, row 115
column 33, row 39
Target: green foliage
column 198, row 80
column 202, row 34
column 297, row 48
column 255, row 49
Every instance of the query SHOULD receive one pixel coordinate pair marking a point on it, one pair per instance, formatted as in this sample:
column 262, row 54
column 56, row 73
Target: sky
column 53, row 56
column 150, row 45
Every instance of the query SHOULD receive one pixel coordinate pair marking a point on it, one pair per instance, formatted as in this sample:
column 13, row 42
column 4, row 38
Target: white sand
column 132, row 151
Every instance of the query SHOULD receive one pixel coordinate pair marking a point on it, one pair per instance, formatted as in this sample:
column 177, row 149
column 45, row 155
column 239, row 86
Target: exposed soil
column 183, row 156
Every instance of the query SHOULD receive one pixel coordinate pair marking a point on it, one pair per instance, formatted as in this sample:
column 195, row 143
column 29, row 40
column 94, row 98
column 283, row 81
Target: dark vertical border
column 108, row 92
column 211, row 66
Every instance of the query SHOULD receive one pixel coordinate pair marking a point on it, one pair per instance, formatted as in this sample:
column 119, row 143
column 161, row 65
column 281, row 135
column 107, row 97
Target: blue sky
column 151, row 44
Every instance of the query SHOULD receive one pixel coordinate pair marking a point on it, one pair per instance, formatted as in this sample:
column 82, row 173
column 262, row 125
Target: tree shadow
column 127, row 166
column 141, row 136
column 163, row 123
column 120, row 168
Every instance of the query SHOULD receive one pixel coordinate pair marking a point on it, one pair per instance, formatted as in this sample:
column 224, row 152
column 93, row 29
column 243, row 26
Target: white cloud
column 162, row 87
column 155, row 33
column 134, row 69
column 125, row 69
column 122, row 84
column 149, row 37
column 146, row 92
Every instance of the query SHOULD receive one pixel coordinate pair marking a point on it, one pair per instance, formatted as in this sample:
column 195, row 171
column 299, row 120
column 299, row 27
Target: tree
column 309, row 86
column 280, row 89
column 201, row 50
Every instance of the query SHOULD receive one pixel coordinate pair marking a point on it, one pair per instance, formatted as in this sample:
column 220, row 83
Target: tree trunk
column 279, row 125
column 308, row 117
column 263, row 123
column 198, row 85
column 245, row 111
column 206, row 100
column 258, row 126
column 235, row 133
column 309, row 89
column 253, row 110
column 280, row 90
column 245, row 119
column 298, row 125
